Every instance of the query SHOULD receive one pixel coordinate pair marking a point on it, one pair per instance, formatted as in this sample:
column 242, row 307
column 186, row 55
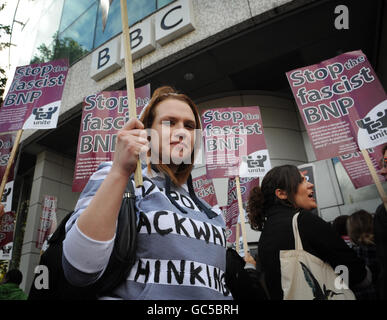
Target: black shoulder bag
column 121, row 260
column 124, row 251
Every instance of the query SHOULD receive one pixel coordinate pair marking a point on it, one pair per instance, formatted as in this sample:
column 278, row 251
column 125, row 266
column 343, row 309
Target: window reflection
column 48, row 25
column 76, row 25
column 72, row 9
column 137, row 10
column 162, row 3
column 82, row 30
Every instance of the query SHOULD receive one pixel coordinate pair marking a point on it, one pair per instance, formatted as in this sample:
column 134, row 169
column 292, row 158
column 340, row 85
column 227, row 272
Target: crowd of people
column 181, row 244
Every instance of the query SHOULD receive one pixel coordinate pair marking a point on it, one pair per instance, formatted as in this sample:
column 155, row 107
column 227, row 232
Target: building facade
column 222, row 53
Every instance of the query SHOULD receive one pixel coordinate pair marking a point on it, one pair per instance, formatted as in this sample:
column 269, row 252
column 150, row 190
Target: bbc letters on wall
column 166, row 25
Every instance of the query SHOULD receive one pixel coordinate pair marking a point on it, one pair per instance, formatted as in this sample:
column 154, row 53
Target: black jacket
column 380, row 231
column 318, row 238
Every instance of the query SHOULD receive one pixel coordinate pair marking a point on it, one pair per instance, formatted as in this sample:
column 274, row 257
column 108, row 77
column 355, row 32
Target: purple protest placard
column 7, row 227
column 342, row 103
column 34, row 97
column 357, row 169
column 7, row 141
column 204, row 188
column 234, row 142
column 103, row 114
column 232, row 208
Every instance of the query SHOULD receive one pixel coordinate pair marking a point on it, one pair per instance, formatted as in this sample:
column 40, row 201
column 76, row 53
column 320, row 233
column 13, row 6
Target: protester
column 9, row 289
column 380, row 232
column 181, row 245
column 271, row 207
column 340, row 226
column 360, row 230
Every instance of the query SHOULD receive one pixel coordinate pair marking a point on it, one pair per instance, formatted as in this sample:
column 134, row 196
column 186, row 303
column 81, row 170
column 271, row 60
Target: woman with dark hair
column 284, row 192
column 360, row 229
column 181, row 243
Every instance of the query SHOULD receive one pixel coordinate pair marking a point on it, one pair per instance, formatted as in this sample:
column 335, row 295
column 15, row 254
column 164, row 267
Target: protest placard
column 6, row 144
column 231, row 211
column 234, row 142
column 205, row 190
column 103, row 115
column 47, row 218
column 7, row 227
column 342, row 103
column 34, row 98
column 357, row 169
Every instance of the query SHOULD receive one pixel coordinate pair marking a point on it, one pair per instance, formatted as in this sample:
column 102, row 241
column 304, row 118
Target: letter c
column 164, row 26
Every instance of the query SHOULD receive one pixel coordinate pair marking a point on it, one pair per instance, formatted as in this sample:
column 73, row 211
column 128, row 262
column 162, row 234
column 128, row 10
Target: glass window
column 48, row 26
column 162, row 3
column 72, row 9
column 77, row 39
column 137, row 10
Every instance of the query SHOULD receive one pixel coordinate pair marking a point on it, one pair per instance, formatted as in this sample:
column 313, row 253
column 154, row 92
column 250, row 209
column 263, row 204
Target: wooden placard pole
column 237, row 234
column 241, row 215
column 130, row 80
column 10, row 161
column 375, row 177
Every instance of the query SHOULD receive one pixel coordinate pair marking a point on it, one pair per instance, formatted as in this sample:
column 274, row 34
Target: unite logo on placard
column 373, row 127
column 258, row 162
column 43, row 117
column 44, row 114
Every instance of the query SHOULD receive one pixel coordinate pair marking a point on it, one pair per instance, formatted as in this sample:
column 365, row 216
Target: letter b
column 135, row 38
column 312, row 115
column 103, row 57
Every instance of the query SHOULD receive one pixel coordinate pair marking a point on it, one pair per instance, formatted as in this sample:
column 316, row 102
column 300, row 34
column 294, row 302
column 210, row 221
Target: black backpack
column 120, row 263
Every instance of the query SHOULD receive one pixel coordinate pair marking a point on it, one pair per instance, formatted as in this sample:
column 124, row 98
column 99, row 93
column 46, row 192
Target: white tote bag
column 306, row 277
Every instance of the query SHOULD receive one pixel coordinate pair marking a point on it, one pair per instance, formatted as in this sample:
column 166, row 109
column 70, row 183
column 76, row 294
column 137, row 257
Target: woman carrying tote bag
column 297, row 267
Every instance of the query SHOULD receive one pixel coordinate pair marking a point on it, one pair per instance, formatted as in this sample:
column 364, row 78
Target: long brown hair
column 361, row 228
column 147, row 118
column 287, row 178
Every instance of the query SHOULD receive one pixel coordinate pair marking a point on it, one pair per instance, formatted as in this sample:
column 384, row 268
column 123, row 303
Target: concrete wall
column 53, row 176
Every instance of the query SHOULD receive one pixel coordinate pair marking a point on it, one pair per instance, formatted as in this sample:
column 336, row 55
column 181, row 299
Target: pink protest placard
column 47, row 218
column 234, row 142
column 103, row 115
column 342, row 103
column 232, row 208
column 34, row 97
column 357, row 169
column 6, row 144
column 7, row 227
column 205, row 190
